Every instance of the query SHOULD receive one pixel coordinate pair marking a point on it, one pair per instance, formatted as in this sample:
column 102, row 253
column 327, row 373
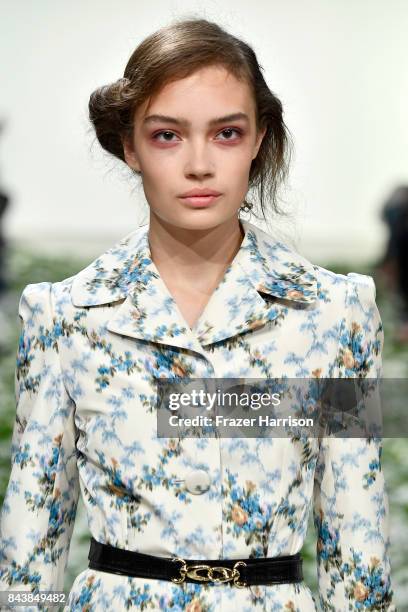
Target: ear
column 130, row 153
column 258, row 142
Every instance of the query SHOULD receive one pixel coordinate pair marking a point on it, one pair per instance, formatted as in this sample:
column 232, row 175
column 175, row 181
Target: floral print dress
column 91, row 350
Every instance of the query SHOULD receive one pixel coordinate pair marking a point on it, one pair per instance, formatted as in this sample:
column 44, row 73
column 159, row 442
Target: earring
column 246, row 207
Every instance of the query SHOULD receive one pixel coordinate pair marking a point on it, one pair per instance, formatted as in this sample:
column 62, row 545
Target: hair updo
column 174, row 52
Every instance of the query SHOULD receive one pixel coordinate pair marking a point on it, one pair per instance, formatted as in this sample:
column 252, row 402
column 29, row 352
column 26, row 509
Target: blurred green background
column 25, row 267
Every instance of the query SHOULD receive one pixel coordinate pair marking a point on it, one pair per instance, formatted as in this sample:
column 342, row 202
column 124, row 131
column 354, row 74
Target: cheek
column 158, row 184
column 239, row 155
column 160, row 177
column 158, row 171
column 160, row 162
column 236, row 166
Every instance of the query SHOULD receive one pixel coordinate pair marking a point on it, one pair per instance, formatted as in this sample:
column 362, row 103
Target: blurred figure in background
column 4, row 204
column 393, row 267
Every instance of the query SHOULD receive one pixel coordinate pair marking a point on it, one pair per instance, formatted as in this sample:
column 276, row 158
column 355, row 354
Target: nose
column 198, row 159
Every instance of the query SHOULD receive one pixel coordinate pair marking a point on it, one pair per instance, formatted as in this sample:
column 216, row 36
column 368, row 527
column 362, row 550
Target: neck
column 195, row 256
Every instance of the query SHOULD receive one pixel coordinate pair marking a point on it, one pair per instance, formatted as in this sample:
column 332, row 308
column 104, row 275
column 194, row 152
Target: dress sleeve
column 350, row 502
column 39, row 509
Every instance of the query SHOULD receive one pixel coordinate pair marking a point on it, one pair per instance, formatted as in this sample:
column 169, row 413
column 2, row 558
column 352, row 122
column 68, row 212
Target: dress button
column 198, row 482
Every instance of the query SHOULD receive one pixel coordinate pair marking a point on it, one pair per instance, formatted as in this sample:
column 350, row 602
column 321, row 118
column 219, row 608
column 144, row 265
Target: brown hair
column 174, row 52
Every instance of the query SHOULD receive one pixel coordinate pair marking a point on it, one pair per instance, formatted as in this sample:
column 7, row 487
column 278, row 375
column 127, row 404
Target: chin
column 204, row 219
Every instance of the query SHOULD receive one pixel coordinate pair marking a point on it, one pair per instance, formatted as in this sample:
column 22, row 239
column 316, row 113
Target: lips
column 200, row 197
column 200, row 201
column 199, row 193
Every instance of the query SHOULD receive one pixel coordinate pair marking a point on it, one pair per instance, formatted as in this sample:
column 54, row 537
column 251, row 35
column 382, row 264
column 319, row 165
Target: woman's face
column 199, row 142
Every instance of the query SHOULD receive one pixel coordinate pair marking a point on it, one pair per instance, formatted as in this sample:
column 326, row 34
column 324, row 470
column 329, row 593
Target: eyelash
column 239, row 132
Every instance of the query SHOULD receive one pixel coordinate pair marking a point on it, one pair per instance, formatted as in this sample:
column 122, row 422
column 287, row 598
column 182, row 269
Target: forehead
column 207, row 92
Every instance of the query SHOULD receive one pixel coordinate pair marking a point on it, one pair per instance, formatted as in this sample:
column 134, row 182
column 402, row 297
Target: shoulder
column 359, row 326
column 35, row 301
column 287, row 266
column 353, row 296
column 351, row 287
column 103, row 280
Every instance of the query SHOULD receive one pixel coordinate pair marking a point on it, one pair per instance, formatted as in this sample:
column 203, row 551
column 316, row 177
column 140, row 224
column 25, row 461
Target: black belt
column 238, row 572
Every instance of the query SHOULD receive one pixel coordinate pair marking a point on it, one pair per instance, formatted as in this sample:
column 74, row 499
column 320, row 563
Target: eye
column 164, row 133
column 228, row 131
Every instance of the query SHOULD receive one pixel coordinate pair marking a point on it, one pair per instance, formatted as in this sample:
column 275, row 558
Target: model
column 199, row 292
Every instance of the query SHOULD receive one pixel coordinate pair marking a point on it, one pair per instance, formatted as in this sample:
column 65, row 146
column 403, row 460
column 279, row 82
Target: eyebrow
column 184, row 122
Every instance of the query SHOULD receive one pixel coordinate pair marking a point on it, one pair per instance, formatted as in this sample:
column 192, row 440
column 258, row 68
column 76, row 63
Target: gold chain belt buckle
column 225, row 574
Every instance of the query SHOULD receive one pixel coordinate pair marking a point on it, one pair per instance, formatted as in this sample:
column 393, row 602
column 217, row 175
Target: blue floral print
column 91, row 351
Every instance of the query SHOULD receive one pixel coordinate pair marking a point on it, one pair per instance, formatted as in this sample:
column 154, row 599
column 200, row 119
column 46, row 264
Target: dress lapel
column 262, row 267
